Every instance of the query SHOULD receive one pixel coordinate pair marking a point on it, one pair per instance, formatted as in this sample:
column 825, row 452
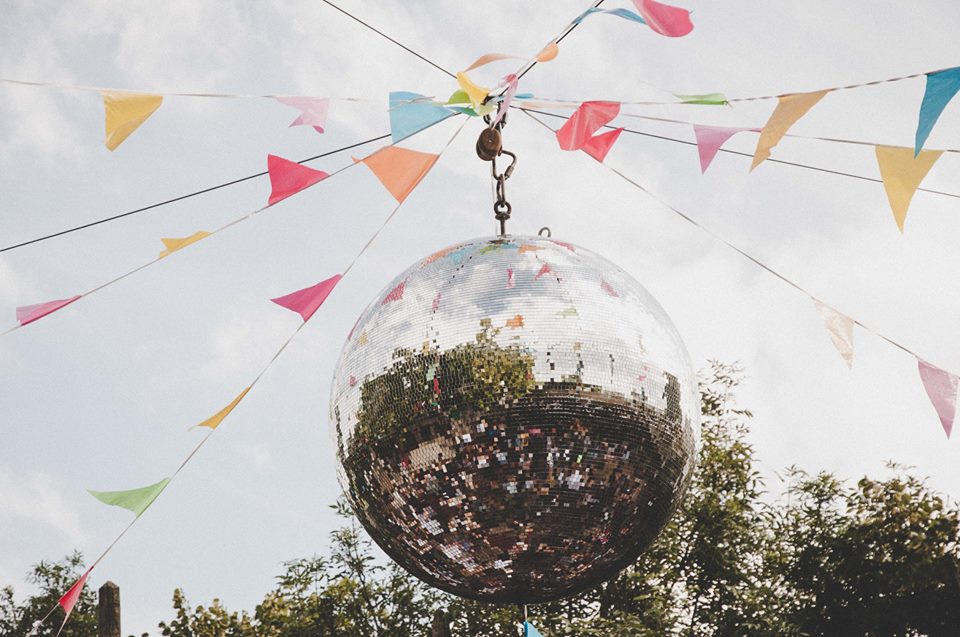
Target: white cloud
column 34, row 501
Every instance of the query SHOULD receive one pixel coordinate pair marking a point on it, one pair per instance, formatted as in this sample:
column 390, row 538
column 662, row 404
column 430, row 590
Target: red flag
column 69, row 599
column 288, row 178
column 599, row 145
column 395, row 294
column 672, row 22
column 30, row 313
column 306, row 301
column 585, row 121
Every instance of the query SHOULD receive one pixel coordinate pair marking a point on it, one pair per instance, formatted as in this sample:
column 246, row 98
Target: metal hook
column 549, row 234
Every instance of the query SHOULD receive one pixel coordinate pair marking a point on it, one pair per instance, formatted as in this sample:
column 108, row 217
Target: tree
column 52, row 579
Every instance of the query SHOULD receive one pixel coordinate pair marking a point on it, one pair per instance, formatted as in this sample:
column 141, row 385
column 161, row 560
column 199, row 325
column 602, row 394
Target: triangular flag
column 135, row 500
column 902, row 173
column 488, row 58
column 177, row 243
column 213, row 421
column 840, row 327
column 306, row 301
column 789, row 109
column 70, row 599
column 941, row 388
column 125, row 112
column 585, row 121
column 30, row 313
column 599, row 145
column 707, row 99
column 476, row 93
column 710, row 139
column 672, row 22
column 510, row 81
column 408, row 117
column 548, row 53
column 400, row 169
column 530, row 631
column 941, row 87
column 626, row 14
column 313, row 110
column 288, row 178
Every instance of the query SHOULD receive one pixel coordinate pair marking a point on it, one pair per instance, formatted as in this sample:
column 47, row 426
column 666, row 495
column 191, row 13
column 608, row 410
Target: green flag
column 136, row 500
column 708, row 99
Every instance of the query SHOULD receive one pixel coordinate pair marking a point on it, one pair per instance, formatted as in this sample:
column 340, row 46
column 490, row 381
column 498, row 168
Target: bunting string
column 138, row 500
column 47, row 308
column 837, row 140
column 742, row 154
column 736, row 249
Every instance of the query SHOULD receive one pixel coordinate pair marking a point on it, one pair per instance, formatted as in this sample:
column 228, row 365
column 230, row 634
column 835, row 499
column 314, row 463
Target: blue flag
column 408, row 117
column 530, row 631
column 941, row 87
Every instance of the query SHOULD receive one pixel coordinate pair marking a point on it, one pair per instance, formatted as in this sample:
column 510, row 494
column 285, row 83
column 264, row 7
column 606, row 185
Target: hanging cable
column 742, row 154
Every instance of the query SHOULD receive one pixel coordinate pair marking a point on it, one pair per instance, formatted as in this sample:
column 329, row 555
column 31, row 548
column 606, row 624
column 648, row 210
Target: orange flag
column 214, row 420
column 789, row 109
column 400, row 169
column 902, row 173
column 125, row 112
column 177, row 243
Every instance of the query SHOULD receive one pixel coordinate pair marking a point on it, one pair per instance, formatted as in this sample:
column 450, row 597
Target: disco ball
column 515, row 418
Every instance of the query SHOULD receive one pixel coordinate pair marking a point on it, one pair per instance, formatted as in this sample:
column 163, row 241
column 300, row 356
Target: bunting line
column 139, row 506
column 165, row 254
column 742, row 154
column 745, row 254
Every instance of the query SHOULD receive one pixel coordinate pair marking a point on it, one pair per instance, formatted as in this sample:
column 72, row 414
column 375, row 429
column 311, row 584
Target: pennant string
column 230, row 224
column 742, row 154
column 733, row 247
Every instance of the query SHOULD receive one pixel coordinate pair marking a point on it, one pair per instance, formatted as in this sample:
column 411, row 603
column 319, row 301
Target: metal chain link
column 489, row 147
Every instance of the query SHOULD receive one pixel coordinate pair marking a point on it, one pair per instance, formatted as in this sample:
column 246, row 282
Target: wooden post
column 108, row 611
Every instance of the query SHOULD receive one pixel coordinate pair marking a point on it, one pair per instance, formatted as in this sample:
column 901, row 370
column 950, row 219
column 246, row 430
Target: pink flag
column 510, row 283
column 306, row 301
column 288, row 178
column 606, row 287
column 313, row 110
column 395, row 294
column 545, row 269
column 941, row 387
column 710, row 139
column 69, row 599
column 30, row 313
column 510, row 81
column 585, row 121
column 672, row 22
column 599, row 145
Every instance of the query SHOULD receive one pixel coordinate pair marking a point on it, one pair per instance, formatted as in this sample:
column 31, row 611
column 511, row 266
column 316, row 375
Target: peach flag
column 789, row 109
column 840, row 327
column 400, row 169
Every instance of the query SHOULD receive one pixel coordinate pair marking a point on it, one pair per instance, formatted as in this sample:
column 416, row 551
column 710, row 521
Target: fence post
column 108, row 611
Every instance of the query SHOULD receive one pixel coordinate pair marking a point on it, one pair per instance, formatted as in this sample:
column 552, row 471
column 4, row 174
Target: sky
column 101, row 394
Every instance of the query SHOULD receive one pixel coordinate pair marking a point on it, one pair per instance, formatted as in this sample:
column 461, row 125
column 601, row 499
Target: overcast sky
column 100, row 394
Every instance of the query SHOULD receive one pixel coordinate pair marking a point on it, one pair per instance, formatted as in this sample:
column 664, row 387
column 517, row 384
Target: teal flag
column 408, row 117
column 626, row 14
column 941, row 87
column 136, row 500
column 530, row 631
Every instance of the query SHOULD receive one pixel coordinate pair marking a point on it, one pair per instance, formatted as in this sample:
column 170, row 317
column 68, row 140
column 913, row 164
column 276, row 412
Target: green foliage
column 880, row 558
column 485, row 374
column 52, row 580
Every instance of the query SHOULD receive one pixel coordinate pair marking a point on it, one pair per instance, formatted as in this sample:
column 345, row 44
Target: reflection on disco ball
column 516, row 419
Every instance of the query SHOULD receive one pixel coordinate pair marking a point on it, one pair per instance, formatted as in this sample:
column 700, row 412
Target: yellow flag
column 125, row 112
column 476, row 93
column 176, row 243
column 789, row 109
column 902, row 174
column 218, row 417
